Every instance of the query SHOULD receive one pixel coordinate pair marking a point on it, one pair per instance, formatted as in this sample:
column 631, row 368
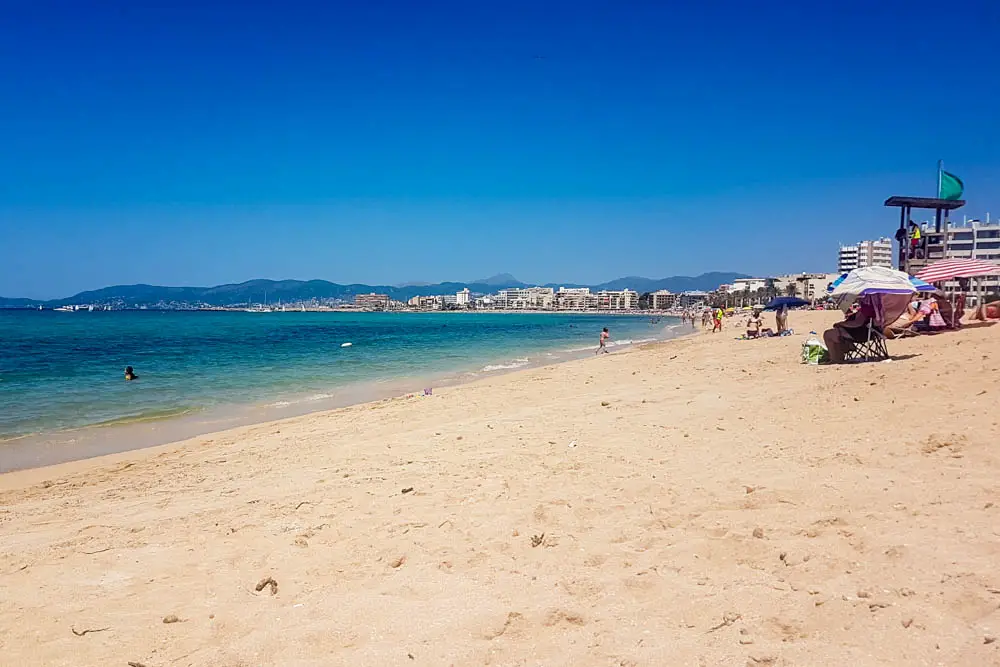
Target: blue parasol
column 921, row 285
column 785, row 302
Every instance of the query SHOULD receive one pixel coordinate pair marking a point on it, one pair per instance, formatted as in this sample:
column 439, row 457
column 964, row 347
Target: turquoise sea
column 63, row 372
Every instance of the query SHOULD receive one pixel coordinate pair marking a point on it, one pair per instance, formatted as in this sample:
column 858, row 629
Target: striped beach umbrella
column 949, row 269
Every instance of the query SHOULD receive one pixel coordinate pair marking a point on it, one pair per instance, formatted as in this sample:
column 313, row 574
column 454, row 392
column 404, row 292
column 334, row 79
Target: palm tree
column 791, row 289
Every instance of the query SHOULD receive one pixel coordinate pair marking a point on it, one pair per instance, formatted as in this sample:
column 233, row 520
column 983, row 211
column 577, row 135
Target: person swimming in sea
column 130, row 374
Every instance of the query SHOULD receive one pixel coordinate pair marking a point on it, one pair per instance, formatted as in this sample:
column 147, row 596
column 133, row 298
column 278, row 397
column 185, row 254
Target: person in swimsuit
column 754, row 324
column 130, row 374
column 603, row 345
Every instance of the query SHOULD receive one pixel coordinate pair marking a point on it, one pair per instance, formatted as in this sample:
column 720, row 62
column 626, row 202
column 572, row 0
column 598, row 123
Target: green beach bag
column 814, row 352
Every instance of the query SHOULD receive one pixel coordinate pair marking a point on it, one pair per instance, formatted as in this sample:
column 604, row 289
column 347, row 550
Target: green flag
column 951, row 186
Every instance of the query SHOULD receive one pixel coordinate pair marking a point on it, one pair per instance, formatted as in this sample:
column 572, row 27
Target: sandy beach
column 704, row 501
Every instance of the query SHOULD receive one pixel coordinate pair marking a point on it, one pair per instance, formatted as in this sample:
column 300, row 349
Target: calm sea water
column 63, row 371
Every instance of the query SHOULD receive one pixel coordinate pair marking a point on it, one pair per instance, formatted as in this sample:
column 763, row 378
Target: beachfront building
column 865, row 253
column 575, row 298
column 372, row 301
column 809, row 286
column 526, row 298
column 463, row 299
column 659, row 300
column 625, row 299
column 425, row 302
column 692, row 298
column 486, row 302
column 749, row 284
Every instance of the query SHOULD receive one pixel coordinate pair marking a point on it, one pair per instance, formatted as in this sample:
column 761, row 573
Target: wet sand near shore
column 705, row 501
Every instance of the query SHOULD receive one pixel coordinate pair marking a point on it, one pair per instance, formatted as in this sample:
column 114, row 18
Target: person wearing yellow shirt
column 914, row 239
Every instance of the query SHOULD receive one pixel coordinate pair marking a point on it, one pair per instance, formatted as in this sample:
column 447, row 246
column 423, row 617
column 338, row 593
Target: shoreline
column 41, row 450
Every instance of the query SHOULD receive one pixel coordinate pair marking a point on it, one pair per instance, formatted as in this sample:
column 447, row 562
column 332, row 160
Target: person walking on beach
column 603, row 345
column 717, row 324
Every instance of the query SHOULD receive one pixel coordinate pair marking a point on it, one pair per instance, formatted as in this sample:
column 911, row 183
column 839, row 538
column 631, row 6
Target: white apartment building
column 526, row 298
column 575, row 298
column 692, row 298
column 625, row 299
column 748, row 284
column 663, row 299
column 809, row 286
column 425, row 302
column 463, row 299
column 865, row 253
column 975, row 239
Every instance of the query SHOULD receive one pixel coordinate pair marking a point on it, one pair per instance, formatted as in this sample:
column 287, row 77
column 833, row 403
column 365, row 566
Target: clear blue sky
column 386, row 141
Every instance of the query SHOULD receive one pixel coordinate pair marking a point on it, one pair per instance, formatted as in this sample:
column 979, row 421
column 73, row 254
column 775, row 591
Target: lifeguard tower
column 933, row 243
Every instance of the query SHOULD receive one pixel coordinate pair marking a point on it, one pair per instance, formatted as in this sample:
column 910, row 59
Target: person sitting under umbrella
column 841, row 337
column 916, row 311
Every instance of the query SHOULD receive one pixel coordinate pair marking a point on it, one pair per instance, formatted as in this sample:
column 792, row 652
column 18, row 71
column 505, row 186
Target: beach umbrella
column 949, row 269
column 833, row 285
column 917, row 282
column 870, row 280
column 921, row 285
column 785, row 302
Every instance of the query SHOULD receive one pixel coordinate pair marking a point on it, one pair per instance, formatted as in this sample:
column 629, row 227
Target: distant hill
column 304, row 290
column 504, row 279
column 704, row 283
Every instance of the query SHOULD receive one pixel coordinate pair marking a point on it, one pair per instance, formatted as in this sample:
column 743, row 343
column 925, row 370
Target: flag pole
column 940, row 169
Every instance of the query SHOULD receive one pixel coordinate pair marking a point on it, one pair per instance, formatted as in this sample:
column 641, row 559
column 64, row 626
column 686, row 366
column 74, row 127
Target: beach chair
column 867, row 344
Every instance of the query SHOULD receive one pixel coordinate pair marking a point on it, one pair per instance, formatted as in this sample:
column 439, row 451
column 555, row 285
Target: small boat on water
column 260, row 307
column 64, row 309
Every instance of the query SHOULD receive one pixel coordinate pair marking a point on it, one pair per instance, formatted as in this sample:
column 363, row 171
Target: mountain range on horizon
column 305, row 290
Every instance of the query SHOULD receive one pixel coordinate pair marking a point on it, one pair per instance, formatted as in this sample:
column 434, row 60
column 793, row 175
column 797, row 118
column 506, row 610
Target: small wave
column 614, row 343
column 516, row 363
column 637, row 341
column 319, row 397
column 280, row 404
column 151, row 416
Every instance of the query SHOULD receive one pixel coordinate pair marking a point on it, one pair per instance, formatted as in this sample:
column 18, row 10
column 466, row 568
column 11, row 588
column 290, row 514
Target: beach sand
column 705, row 501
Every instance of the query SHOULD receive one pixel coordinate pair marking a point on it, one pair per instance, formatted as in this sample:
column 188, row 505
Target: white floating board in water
column 346, row 344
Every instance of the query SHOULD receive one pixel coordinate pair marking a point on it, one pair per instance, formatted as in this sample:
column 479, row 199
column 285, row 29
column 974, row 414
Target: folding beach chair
column 868, row 344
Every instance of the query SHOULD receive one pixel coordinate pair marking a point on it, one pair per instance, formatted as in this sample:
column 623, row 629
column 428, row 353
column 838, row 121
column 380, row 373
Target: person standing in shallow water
column 602, row 347
column 130, row 374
